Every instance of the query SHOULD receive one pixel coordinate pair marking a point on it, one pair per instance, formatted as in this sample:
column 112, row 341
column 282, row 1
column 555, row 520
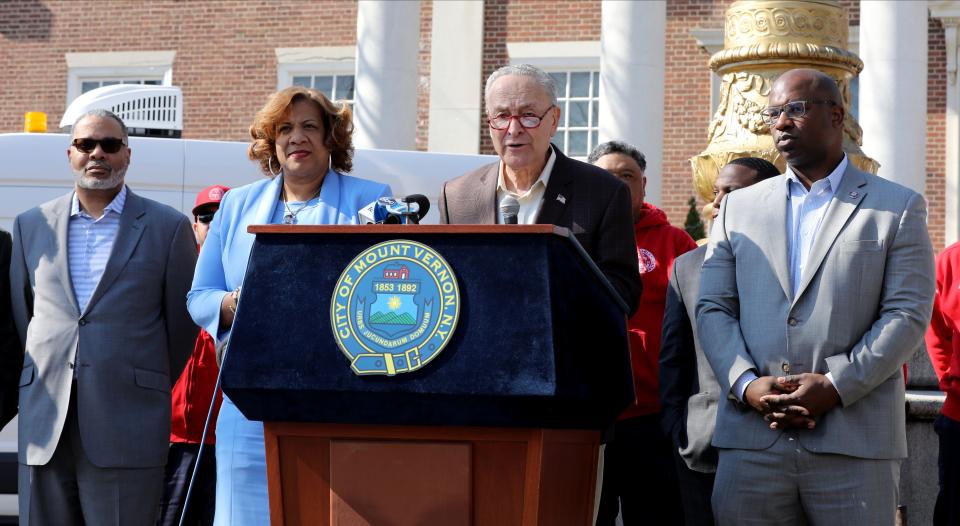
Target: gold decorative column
column 762, row 39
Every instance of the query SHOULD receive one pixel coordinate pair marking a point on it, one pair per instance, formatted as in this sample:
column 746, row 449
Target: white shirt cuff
column 740, row 386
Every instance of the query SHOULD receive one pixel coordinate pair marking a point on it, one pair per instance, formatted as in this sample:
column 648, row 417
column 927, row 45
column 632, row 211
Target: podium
column 501, row 427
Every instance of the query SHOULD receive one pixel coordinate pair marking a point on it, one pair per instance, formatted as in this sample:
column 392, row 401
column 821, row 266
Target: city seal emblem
column 394, row 308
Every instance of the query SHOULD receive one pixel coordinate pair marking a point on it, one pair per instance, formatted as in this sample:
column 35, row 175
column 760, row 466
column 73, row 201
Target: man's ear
column 838, row 115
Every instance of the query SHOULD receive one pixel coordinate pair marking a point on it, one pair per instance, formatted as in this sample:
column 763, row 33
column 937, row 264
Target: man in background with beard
column 99, row 279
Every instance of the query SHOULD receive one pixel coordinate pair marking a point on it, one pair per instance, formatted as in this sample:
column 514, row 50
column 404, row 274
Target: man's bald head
column 814, row 81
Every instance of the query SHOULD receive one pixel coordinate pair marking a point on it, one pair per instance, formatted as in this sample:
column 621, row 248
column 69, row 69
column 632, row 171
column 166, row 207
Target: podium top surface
column 409, row 229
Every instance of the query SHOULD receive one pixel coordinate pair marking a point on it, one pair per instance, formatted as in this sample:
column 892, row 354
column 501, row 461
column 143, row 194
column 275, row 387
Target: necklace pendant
column 288, row 219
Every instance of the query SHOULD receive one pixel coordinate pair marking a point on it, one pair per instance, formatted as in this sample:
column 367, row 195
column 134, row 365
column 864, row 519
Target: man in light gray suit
column 689, row 391
column 99, row 280
column 816, row 288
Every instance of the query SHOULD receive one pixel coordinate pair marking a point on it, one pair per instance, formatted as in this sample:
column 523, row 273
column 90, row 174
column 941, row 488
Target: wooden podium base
column 352, row 475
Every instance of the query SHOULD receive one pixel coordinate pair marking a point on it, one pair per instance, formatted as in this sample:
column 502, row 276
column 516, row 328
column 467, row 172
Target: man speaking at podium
column 535, row 183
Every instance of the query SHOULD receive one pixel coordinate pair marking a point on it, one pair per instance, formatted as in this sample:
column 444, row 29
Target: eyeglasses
column 107, row 144
column 205, row 218
column 527, row 120
column 794, row 110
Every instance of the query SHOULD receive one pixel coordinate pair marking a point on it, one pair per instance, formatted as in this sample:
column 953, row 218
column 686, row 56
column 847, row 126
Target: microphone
column 419, row 205
column 509, row 208
column 393, row 211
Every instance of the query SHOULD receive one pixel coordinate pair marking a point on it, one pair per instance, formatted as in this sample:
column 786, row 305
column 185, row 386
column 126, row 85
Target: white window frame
column 117, row 65
column 562, row 57
column 315, row 61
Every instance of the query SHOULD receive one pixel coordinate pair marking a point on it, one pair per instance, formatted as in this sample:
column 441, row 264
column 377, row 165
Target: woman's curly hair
column 337, row 128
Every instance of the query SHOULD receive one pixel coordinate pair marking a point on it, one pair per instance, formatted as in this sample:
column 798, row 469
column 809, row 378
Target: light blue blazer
column 223, row 258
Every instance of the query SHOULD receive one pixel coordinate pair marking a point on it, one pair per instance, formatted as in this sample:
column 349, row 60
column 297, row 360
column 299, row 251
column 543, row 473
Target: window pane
column 594, row 113
column 325, row 84
column 345, row 87
column 110, row 82
column 593, row 140
column 151, row 82
column 301, row 81
column 561, row 80
column 578, row 113
column 580, row 84
column 577, row 145
column 88, row 85
column 596, row 83
column 560, row 139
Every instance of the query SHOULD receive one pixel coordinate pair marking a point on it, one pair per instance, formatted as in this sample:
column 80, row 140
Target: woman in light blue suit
column 303, row 141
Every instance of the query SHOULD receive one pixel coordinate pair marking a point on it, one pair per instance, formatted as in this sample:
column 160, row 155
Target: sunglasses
column 107, row 144
column 205, row 218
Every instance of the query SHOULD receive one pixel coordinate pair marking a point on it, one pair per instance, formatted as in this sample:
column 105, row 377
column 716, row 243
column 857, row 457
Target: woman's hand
column 228, row 308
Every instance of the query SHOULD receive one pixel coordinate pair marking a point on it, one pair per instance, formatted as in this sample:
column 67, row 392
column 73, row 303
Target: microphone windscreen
column 422, row 202
column 509, row 208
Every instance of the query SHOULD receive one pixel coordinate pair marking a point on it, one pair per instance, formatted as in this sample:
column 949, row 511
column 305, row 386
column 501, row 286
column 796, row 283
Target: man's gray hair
column 103, row 114
column 525, row 70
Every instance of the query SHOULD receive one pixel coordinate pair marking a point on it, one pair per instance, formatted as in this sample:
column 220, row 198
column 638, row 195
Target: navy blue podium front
column 539, row 347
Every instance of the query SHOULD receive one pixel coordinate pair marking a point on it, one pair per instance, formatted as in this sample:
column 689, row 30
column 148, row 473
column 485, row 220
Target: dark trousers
column 947, row 510
column 695, row 491
column 70, row 490
column 639, row 476
column 180, row 463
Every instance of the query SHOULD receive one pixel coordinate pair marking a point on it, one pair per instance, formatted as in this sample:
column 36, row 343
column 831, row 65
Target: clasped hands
column 793, row 401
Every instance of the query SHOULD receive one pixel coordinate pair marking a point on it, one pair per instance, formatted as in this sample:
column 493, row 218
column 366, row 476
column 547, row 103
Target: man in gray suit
column 689, row 391
column 816, row 288
column 99, row 281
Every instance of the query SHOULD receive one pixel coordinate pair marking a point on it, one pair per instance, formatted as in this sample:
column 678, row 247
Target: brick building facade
column 226, row 63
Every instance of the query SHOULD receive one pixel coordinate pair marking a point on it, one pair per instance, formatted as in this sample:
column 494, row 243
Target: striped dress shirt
column 89, row 242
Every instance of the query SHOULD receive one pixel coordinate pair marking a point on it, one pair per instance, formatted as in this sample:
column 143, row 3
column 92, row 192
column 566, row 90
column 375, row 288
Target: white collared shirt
column 532, row 199
column 805, row 215
column 89, row 242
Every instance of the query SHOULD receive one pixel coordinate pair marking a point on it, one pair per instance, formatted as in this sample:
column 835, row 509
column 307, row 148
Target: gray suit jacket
column 593, row 204
column 134, row 336
column 689, row 391
column 859, row 313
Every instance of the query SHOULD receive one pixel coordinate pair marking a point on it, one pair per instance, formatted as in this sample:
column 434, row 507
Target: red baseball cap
column 210, row 195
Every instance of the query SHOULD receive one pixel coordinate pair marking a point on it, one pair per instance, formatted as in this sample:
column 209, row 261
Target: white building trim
column 632, row 70
column 117, row 64
column 893, row 89
column 324, row 60
column 456, row 65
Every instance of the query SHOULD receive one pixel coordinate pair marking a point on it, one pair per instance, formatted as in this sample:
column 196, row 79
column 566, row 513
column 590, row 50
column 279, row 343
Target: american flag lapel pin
column 854, row 195
column 561, row 198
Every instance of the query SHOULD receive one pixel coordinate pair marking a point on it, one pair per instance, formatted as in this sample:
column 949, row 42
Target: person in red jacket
column 943, row 346
column 639, row 475
column 191, row 403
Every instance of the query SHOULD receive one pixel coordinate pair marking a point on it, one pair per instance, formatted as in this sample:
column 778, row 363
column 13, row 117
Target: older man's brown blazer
column 593, row 204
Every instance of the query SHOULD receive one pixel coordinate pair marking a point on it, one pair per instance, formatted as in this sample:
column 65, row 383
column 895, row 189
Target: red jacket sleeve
column 941, row 334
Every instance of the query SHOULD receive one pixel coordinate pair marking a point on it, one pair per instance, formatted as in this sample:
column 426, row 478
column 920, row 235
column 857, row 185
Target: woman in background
column 303, row 142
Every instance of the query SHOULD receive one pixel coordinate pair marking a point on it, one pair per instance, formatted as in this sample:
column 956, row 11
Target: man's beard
column 93, row 183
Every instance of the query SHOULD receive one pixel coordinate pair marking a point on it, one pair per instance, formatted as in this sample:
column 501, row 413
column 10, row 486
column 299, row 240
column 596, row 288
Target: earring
column 270, row 167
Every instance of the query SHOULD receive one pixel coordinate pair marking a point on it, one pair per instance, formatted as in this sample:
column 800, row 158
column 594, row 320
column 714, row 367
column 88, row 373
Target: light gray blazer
column 693, row 398
column 860, row 312
column 134, row 336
